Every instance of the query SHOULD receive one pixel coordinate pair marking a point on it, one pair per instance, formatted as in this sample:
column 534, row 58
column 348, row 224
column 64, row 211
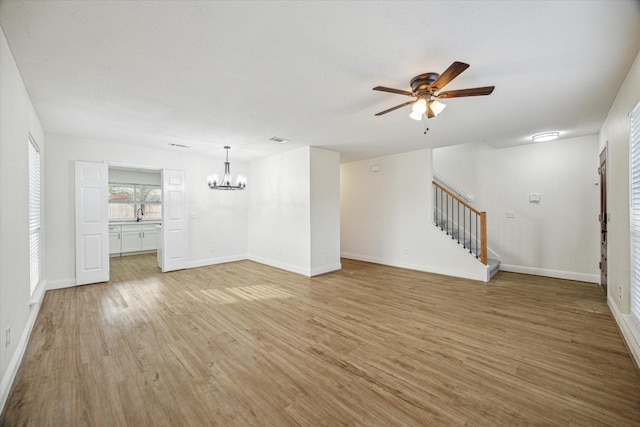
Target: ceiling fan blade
column 476, row 91
column 392, row 90
column 449, row 74
column 394, row 108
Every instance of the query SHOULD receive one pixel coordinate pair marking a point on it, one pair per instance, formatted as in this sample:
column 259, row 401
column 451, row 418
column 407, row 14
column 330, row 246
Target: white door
column 92, row 223
column 174, row 220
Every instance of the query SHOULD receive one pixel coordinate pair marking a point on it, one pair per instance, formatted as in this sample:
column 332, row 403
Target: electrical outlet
column 511, row 214
column 7, row 339
column 213, row 249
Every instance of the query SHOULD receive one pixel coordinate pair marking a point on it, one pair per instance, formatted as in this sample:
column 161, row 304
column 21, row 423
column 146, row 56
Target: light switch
column 511, row 214
column 193, row 215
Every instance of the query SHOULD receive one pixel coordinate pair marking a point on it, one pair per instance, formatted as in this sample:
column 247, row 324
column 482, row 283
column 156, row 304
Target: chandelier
column 226, row 183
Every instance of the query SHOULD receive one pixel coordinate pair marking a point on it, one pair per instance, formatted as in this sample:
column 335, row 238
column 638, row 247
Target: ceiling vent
column 278, row 140
column 173, row 144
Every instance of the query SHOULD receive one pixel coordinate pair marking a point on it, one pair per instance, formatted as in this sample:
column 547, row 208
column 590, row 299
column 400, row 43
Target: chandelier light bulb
column 227, row 181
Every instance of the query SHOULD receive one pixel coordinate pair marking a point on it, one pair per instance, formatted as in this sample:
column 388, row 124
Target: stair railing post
column 483, row 237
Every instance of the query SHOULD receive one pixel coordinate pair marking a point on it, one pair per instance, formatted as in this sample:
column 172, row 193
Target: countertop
column 134, row 222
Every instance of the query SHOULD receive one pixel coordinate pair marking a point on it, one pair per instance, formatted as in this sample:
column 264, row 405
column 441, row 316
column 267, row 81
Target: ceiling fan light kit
column 544, row 137
column 226, row 183
column 426, row 89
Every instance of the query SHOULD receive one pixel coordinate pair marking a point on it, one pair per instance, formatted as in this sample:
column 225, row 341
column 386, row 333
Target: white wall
column 17, row 120
column 293, row 211
column 279, row 211
column 218, row 233
column 325, row 210
column 134, row 176
column 558, row 237
column 615, row 135
column 386, row 217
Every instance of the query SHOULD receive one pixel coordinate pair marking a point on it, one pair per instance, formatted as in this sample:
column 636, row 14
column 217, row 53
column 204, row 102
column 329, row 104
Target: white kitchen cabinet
column 115, row 240
column 129, row 238
column 149, row 237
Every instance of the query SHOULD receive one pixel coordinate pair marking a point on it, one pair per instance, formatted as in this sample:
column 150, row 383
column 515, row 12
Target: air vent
column 173, row 144
column 278, row 140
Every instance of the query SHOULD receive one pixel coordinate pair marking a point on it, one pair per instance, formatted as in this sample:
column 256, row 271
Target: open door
column 92, row 222
column 174, row 239
column 602, row 171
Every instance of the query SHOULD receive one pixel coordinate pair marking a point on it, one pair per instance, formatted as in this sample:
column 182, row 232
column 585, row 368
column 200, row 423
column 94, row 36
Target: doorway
column 92, row 221
column 602, row 172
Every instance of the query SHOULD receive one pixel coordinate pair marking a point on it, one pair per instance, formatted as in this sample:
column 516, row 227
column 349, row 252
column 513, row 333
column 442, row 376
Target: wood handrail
column 483, row 221
column 471, row 208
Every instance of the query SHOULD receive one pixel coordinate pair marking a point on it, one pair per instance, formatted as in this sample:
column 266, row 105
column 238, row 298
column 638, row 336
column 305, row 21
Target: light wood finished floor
column 243, row 344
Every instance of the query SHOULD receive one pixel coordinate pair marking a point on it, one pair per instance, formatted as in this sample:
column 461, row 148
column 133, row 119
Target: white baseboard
column 60, row 284
column 281, row 265
column 629, row 329
column 213, row 261
column 38, row 293
column 316, row 271
column 14, row 363
column 418, row 267
column 558, row 274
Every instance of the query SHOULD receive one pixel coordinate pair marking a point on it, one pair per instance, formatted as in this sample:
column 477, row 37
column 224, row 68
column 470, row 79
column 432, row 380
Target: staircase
column 463, row 223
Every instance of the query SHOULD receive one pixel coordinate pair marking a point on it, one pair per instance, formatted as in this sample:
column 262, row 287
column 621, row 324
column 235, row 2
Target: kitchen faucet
column 139, row 214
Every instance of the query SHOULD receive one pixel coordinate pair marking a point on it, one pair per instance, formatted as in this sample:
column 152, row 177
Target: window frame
column 634, row 211
column 136, row 202
column 35, row 214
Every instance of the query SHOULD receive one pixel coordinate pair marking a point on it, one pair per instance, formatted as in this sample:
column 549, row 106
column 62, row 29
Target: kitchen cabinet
column 115, row 241
column 127, row 238
column 131, row 238
column 149, row 237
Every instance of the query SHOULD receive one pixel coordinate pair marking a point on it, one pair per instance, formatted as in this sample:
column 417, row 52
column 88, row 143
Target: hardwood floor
column 243, row 344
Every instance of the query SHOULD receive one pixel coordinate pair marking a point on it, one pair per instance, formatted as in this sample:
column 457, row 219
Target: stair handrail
column 483, row 221
column 453, row 188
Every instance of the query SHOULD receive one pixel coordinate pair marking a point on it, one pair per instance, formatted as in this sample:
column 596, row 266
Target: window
column 129, row 201
column 634, row 203
column 34, row 215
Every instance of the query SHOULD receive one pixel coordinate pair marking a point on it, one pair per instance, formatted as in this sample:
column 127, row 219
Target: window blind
column 34, row 215
column 634, row 202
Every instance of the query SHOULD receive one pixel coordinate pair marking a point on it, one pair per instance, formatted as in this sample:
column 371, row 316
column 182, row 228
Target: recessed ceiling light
column 173, row 144
column 279, row 140
column 547, row 136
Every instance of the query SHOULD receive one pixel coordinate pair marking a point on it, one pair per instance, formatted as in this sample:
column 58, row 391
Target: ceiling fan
column 426, row 88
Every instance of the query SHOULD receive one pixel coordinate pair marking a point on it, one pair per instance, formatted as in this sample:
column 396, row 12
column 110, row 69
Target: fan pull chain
column 425, row 126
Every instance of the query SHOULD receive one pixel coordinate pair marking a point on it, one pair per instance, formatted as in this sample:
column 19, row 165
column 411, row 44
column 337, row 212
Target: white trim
column 483, row 276
column 132, row 166
column 213, row 261
column 328, row 268
column 281, row 265
column 628, row 328
column 61, row 284
column 14, row 364
column 453, row 188
column 38, row 293
column 546, row 272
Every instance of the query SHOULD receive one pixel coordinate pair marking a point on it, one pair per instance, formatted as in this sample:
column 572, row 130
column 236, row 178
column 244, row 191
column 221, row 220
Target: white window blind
column 634, row 202
column 34, row 215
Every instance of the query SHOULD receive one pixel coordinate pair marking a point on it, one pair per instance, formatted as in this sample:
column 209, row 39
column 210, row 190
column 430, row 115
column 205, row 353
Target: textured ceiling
column 209, row 74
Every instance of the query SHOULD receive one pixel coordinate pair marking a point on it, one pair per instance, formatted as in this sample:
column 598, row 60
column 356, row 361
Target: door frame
column 108, row 164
